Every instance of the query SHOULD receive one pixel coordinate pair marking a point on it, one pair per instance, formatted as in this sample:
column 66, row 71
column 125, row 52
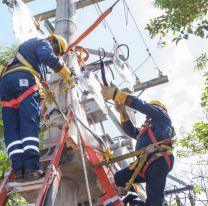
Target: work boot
column 138, row 203
column 129, row 198
column 32, row 175
column 19, row 175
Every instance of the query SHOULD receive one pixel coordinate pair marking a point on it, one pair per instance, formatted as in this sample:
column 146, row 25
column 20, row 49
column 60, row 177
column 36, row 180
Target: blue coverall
column 21, row 126
column 156, row 174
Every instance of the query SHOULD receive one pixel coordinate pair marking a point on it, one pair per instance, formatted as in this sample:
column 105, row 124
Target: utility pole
column 72, row 184
column 66, row 27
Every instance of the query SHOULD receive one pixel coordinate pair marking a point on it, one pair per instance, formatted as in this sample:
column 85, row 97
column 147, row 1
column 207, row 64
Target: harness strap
column 151, row 160
column 154, row 140
column 142, row 163
column 14, row 103
column 23, row 68
column 26, row 66
column 142, row 158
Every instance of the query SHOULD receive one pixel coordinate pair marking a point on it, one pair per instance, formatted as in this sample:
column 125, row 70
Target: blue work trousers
column 21, row 126
column 155, row 179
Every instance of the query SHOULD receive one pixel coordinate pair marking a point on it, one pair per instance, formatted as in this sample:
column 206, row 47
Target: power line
column 99, row 11
column 137, row 27
column 126, row 10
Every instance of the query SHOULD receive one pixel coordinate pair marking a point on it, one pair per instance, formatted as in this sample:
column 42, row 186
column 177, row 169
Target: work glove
column 114, row 93
column 121, row 108
column 67, row 76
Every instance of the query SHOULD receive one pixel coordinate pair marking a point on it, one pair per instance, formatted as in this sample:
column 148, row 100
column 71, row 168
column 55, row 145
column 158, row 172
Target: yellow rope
column 142, row 158
column 107, row 154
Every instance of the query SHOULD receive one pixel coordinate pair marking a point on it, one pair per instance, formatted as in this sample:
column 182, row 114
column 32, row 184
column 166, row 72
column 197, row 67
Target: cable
column 91, row 132
column 147, row 49
column 197, row 199
column 109, row 28
column 140, row 93
column 136, row 69
column 126, row 13
column 83, row 163
column 127, row 50
column 141, row 64
column 107, row 25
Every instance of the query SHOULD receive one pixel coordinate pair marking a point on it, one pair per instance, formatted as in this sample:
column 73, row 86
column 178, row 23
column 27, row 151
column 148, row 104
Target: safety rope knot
column 107, row 154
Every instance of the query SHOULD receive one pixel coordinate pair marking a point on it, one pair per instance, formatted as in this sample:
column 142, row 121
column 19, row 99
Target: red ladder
column 49, row 188
column 110, row 198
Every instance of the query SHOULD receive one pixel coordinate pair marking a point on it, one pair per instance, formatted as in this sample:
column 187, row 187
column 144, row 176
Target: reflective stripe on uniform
column 16, row 151
column 111, row 200
column 36, row 139
column 31, row 147
column 13, row 143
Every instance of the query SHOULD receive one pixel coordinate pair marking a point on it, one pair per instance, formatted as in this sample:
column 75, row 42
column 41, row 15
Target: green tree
column 183, row 19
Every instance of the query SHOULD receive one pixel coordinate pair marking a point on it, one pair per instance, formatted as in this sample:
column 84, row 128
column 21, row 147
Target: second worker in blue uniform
column 156, row 130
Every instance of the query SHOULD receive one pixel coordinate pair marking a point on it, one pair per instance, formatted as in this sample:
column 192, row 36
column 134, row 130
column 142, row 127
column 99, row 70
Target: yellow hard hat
column 61, row 43
column 159, row 104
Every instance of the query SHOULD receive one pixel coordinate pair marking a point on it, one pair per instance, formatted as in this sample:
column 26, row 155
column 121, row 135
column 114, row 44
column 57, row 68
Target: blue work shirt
column 39, row 53
column 160, row 122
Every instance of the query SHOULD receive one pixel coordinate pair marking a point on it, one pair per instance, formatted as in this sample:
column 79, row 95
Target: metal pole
column 65, row 24
column 66, row 27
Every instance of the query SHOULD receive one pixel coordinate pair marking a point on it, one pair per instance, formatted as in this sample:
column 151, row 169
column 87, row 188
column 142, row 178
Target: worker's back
column 37, row 52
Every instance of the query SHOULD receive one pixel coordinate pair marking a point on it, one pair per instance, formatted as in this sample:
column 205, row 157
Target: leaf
column 179, row 17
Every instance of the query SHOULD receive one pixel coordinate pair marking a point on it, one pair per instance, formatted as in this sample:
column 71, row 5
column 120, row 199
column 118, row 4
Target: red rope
column 90, row 29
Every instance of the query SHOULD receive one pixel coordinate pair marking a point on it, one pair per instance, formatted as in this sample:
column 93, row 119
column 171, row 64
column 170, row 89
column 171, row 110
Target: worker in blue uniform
column 21, row 100
column 157, row 128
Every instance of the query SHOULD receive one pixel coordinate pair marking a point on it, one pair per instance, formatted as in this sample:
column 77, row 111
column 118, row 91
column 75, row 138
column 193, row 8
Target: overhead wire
column 197, row 199
column 99, row 11
column 126, row 14
column 137, row 27
column 134, row 71
column 128, row 11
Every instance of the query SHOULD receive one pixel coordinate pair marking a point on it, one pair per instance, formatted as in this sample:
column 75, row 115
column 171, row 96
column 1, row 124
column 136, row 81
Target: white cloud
column 182, row 93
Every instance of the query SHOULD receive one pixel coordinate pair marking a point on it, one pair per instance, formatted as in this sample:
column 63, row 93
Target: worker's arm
column 46, row 55
column 129, row 129
column 145, row 108
column 126, row 123
column 133, row 102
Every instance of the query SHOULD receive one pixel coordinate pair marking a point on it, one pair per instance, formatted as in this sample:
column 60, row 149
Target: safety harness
column 156, row 149
column 24, row 66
